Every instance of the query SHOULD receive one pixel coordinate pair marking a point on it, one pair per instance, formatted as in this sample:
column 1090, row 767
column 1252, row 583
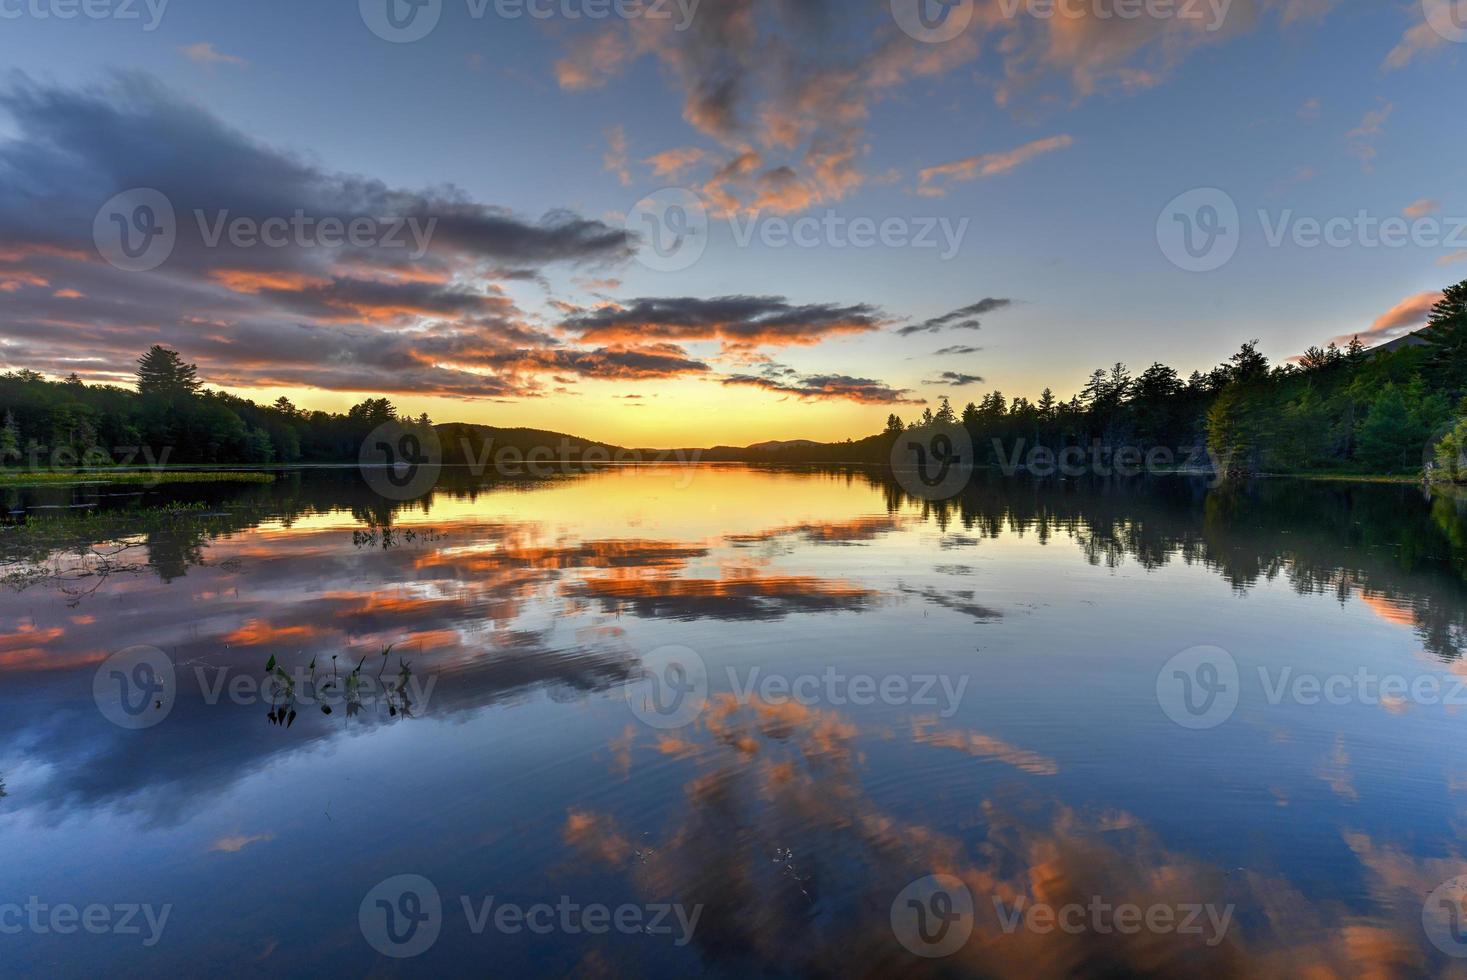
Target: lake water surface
column 728, row 721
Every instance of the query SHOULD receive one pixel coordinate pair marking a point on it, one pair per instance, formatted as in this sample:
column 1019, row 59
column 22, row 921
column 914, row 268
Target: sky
column 717, row 222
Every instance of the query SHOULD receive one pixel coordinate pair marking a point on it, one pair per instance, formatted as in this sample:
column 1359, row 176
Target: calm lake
column 726, row 721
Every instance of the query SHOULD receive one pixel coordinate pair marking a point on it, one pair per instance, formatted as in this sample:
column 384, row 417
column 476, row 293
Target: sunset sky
column 1049, row 148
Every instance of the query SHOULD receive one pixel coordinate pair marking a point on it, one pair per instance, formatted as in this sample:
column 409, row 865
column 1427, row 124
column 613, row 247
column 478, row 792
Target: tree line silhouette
column 169, row 418
column 1335, row 409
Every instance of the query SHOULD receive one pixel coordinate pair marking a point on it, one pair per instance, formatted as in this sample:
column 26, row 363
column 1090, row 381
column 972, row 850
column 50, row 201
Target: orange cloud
column 253, row 280
column 987, row 164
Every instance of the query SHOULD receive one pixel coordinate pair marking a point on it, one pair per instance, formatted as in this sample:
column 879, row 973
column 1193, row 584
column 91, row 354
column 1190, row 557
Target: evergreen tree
column 163, row 372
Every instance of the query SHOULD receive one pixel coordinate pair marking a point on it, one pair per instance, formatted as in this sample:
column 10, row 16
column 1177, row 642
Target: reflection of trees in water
column 89, row 529
column 1387, row 541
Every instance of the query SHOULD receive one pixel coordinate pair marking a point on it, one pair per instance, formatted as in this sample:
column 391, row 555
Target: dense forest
column 1349, row 410
column 169, row 418
column 1335, row 410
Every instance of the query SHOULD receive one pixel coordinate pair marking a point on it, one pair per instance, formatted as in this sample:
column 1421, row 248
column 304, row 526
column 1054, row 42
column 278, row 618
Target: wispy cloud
column 1362, row 138
column 1421, row 36
column 956, row 379
column 1403, row 318
column 986, row 165
column 964, row 318
column 737, row 321
column 615, row 158
column 827, row 387
column 204, row 53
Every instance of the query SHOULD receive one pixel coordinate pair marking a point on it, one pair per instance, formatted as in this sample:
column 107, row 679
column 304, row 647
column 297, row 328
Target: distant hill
column 465, row 442
column 776, row 445
column 468, row 443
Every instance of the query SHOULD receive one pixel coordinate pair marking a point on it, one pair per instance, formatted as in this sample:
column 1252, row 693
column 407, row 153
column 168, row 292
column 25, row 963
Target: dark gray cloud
column 955, row 350
column 76, row 148
column 736, row 320
column 383, row 315
column 827, row 386
column 957, row 379
column 965, row 318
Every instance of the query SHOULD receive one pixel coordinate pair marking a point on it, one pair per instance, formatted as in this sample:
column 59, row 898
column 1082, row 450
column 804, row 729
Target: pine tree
column 163, row 372
column 9, row 439
column 945, row 414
